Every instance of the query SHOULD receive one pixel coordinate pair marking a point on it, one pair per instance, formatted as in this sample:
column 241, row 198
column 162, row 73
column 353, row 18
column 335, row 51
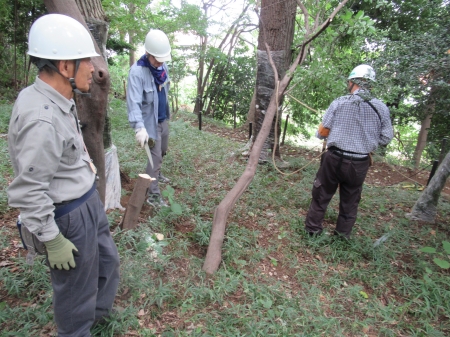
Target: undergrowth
column 274, row 280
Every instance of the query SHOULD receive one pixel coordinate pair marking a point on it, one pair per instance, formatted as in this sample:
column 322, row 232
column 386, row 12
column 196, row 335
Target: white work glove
column 141, row 136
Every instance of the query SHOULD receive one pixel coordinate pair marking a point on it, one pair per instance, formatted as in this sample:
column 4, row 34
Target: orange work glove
column 324, row 132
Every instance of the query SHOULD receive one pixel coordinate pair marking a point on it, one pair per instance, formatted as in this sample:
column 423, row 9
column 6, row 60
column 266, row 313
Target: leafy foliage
column 322, row 77
column 138, row 17
column 413, row 61
column 441, row 261
column 17, row 17
column 232, row 86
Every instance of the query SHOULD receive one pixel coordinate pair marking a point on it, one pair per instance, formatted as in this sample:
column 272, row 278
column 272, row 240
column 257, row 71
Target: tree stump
column 129, row 220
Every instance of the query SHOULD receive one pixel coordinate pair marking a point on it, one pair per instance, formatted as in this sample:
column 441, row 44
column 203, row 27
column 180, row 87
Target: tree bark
column 91, row 9
column 251, row 109
column 424, row 127
column 201, row 85
column 276, row 28
column 425, row 208
column 421, row 140
column 91, row 110
column 131, row 33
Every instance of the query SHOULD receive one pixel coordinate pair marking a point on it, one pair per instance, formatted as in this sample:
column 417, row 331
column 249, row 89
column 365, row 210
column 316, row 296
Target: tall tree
column 414, row 64
column 91, row 110
column 129, row 22
column 215, row 51
column 214, row 255
column 133, row 19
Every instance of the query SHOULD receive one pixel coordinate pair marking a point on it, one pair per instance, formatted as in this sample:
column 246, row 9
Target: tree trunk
column 421, row 140
column 200, row 84
column 251, row 109
column 276, row 28
column 132, row 58
column 425, row 207
column 424, row 127
column 91, row 110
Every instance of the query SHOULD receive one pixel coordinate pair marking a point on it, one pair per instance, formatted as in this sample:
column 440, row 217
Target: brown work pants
column 337, row 171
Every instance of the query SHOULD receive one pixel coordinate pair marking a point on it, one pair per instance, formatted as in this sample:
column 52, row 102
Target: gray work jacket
column 48, row 157
column 142, row 98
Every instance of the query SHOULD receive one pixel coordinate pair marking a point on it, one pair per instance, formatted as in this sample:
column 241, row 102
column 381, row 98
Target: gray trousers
column 87, row 292
column 335, row 171
column 158, row 152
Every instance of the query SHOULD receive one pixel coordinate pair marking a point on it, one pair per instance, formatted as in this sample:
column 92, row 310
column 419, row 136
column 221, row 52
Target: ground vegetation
column 274, row 280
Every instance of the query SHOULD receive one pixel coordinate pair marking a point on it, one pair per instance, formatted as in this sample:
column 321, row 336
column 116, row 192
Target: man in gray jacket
column 54, row 185
column 148, row 106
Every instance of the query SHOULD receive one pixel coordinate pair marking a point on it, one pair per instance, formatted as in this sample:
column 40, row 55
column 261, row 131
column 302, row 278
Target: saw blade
column 149, row 155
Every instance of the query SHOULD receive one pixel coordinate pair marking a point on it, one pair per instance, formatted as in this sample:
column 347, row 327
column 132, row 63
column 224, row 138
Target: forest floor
column 267, row 262
column 381, row 174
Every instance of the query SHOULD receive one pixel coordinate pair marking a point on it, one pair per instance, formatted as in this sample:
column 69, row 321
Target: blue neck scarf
column 160, row 75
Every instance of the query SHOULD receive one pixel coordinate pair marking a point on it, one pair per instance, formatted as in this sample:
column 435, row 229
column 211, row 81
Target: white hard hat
column 363, row 71
column 59, row 37
column 158, row 45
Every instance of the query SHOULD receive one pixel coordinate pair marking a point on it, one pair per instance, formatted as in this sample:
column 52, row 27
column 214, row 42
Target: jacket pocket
column 148, row 96
column 71, row 153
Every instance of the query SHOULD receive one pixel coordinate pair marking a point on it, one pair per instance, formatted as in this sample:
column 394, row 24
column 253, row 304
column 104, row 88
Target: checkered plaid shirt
column 355, row 126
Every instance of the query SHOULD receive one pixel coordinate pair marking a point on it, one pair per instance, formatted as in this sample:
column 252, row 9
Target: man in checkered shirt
column 354, row 125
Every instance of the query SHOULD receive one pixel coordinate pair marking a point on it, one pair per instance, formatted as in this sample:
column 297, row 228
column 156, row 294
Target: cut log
column 129, row 220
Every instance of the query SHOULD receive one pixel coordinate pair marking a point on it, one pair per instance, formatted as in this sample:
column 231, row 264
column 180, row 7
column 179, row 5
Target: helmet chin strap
column 72, row 81
column 44, row 62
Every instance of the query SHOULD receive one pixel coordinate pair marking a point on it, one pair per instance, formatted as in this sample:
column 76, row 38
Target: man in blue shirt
column 148, row 106
column 354, row 125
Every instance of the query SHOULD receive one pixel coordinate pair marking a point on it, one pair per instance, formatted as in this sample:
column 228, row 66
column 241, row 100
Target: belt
column 67, row 207
column 340, row 153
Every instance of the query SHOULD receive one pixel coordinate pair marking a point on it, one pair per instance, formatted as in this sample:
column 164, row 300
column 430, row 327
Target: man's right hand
column 323, row 131
column 60, row 253
column 141, row 136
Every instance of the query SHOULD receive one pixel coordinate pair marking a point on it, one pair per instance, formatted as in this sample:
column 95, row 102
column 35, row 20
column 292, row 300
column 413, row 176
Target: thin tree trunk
column 421, row 140
column 424, row 127
column 200, row 85
column 425, row 208
column 251, row 109
column 132, row 58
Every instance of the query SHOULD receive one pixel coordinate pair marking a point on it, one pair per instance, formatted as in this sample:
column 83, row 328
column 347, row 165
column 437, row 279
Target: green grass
column 274, row 280
column 5, row 165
